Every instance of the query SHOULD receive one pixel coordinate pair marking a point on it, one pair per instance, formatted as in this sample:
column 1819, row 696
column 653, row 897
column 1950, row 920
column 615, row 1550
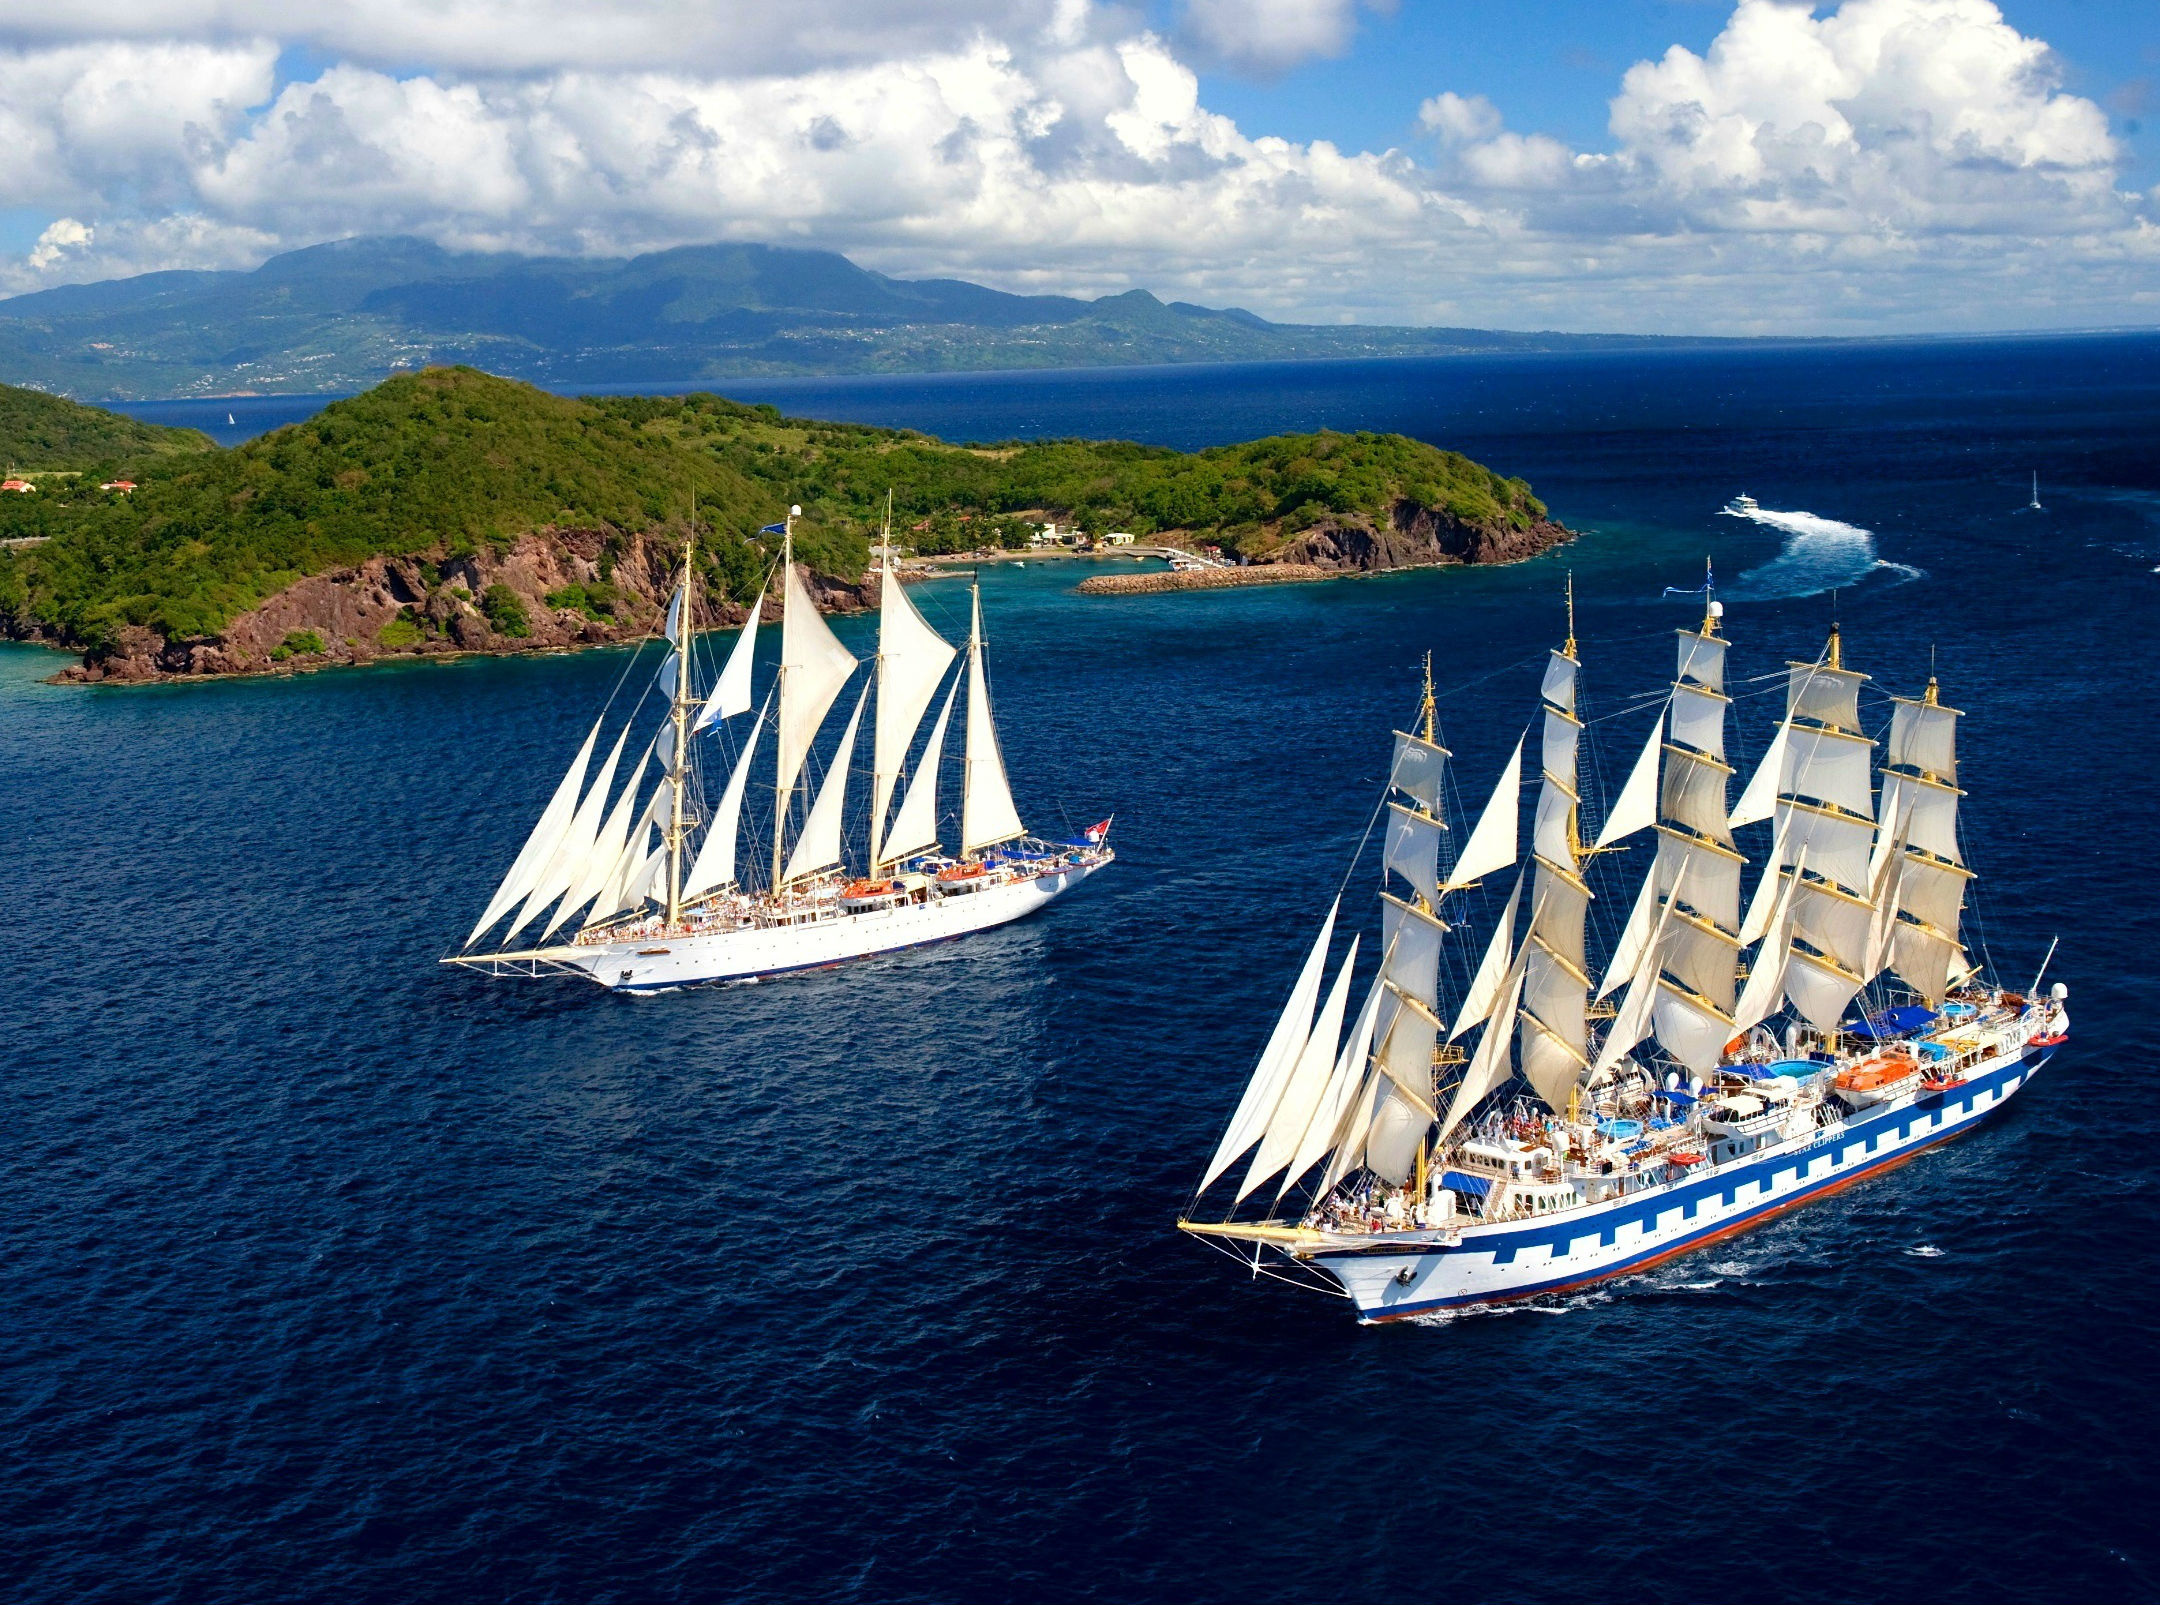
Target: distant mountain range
column 342, row 316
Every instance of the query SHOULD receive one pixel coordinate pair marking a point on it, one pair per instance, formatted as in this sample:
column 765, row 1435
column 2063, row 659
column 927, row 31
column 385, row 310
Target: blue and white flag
column 772, row 529
column 1708, row 585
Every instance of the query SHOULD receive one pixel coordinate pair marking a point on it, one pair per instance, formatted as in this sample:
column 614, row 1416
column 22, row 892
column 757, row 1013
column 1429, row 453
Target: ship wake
column 1820, row 554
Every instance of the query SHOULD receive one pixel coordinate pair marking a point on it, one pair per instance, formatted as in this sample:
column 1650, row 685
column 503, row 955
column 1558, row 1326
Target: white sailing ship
column 641, row 888
column 1721, row 1066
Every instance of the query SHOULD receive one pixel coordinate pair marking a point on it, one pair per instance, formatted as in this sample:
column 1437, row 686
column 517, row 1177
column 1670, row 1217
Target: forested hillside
column 480, row 512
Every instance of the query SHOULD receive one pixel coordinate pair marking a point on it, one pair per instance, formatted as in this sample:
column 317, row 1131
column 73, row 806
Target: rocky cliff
column 550, row 590
column 1415, row 536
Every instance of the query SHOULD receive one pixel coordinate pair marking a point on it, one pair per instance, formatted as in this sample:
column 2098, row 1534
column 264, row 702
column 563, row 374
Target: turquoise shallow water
column 330, row 1274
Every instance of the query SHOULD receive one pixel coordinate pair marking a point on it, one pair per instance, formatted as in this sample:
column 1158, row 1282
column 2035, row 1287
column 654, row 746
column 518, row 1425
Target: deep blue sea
column 330, row 1274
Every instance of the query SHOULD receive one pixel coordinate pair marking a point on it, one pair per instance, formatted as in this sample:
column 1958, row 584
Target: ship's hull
column 1483, row 1264
column 660, row 963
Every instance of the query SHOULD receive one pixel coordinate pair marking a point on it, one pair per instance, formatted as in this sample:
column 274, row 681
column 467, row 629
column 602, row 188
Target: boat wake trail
column 1820, row 554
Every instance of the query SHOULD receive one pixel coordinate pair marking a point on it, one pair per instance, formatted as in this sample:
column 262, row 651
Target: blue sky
column 1716, row 166
column 1551, row 67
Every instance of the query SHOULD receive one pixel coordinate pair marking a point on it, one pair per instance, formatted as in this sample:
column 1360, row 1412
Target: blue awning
column 1893, row 1023
column 1475, row 1186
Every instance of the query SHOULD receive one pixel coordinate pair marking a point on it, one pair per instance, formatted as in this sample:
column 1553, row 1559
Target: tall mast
column 780, row 784
column 679, row 760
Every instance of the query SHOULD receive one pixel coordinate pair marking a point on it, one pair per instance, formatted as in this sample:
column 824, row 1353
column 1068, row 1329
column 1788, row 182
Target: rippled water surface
column 330, row 1274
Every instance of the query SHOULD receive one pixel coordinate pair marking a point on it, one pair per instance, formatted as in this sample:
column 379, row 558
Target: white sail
column 1765, row 983
column 1405, row 1109
column 1818, row 988
column 819, row 844
column 912, row 659
column 1923, row 737
column 1693, row 794
column 1307, row 1081
column 1830, row 766
column 715, row 861
column 987, row 814
column 1420, row 770
column 1698, row 720
column 1492, row 843
column 1689, row 1028
column 670, row 668
column 638, row 869
column 731, row 692
column 603, row 866
column 1284, row 1045
column 1413, row 849
column 1759, row 800
column 567, row 862
column 1551, row 829
column 1713, row 877
column 1702, row 659
column 1559, row 683
column 1410, row 950
column 1924, row 811
column 1632, row 1023
column 546, row 836
column 915, row 826
column 1492, row 970
column 1555, row 1030
column 1636, row 808
column 1819, row 694
column 674, row 612
column 813, row 668
column 581, row 842
column 1634, row 937
column 1325, row 1129
column 1489, row 1065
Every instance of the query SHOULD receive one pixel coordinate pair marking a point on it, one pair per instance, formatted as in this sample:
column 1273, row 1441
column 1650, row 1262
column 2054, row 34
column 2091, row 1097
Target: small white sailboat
column 2034, row 506
column 229, row 419
column 648, row 901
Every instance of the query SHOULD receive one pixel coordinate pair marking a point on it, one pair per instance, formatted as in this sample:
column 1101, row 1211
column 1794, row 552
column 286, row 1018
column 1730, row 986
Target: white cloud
column 1905, row 162
column 1459, row 118
column 1267, row 36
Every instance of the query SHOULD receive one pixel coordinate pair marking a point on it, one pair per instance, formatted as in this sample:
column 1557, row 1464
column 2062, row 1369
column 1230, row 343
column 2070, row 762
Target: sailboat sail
column 912, row 659
column 730, row 694
column 915, row 825
column 813, row 668
column 546, row 836
column 714, row 865
column 1284, row 1044
column 987, row 814
column 819, row 846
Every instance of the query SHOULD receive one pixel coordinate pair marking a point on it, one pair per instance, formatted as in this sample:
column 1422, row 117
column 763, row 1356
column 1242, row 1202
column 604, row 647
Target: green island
column 451, row 510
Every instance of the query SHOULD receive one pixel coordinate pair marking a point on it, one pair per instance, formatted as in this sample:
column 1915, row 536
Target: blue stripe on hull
column 1504, row 1250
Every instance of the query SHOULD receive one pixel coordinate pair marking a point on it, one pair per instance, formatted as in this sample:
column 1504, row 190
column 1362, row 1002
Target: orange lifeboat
column 961, row 872
column 1876, row 1080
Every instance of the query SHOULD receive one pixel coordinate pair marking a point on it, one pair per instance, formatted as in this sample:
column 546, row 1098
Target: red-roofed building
column 17, row 484
column 123, row 486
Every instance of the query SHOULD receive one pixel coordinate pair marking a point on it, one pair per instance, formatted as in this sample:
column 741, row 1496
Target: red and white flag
column 1096, row 833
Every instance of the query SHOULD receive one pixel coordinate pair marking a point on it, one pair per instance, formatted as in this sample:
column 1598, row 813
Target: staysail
column 715, row 862
column 987, row 814
column 912, row 659
column 813, row 668
column 546, row 836
column 1277, row 1059
column 819, row 846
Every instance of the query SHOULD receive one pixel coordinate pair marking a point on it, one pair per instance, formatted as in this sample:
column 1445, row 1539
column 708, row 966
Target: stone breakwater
column 1204, row 579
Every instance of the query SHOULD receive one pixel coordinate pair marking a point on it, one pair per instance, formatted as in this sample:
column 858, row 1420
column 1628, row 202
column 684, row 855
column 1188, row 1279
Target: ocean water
column 328, row 1273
